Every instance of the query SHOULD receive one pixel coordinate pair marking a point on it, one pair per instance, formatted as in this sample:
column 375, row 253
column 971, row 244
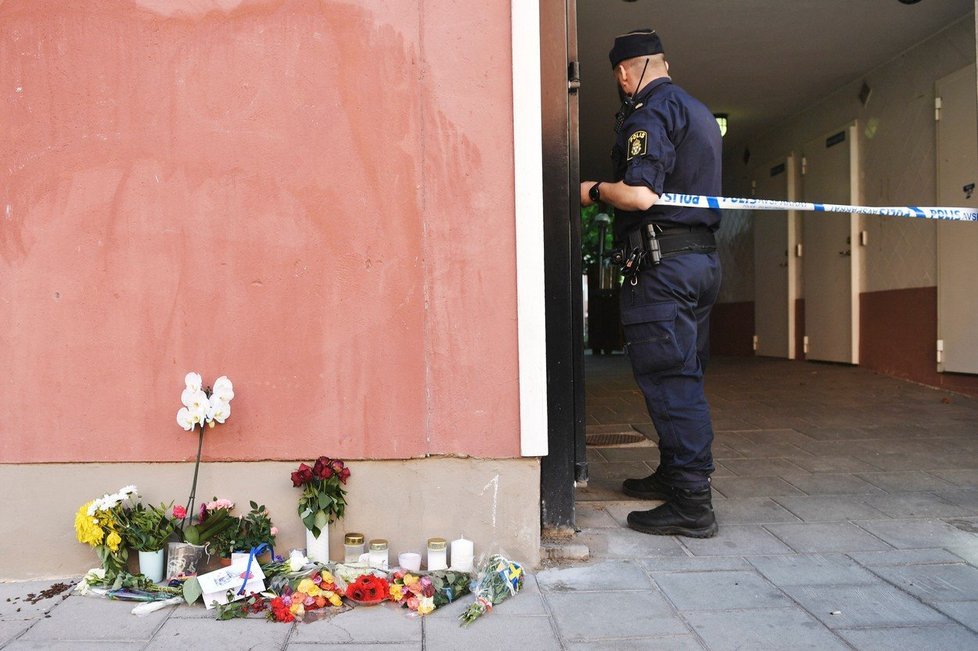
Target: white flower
column 223, row 390
column 95, row 575
column 193, row 381
column 297, row 561
column 217, row 410
column 129, row 490
column 198, row 406
column 185, row 420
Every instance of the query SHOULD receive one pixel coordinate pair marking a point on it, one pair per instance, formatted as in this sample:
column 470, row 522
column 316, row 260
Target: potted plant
column 146, row 529
column 255, row 528
column 206, row 536
column 202, row 406
column 323, row 501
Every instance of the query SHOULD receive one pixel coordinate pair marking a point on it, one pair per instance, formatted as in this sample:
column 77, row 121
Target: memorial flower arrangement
column 499, row 579
column 100, row 523
column 293, row 600
column 202, row 406
column 424, row 593
column 323, row 497
column 414, row 592
column 368, row 589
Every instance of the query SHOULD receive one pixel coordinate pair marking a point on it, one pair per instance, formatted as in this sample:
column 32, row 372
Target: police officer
column 666, row 141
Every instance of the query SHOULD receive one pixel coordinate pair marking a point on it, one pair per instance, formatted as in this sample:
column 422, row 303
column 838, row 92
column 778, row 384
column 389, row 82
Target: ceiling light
column 721, row 122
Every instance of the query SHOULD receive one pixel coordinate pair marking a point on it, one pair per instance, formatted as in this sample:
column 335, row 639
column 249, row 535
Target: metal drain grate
column 615, row 438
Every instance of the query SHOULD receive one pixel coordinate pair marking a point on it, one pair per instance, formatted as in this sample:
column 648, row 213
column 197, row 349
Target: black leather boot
column 688, row 513
column 648, row 488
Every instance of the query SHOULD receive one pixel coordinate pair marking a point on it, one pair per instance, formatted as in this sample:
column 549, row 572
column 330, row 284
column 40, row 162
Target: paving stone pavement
column 848, row 510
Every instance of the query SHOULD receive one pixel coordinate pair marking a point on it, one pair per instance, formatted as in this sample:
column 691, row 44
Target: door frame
column 566, row 461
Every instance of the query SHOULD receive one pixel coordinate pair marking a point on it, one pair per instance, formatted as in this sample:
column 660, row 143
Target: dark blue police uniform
column 671, row 143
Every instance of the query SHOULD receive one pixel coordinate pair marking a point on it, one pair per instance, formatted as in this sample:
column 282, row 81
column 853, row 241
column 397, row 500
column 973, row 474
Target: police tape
column 701, row 201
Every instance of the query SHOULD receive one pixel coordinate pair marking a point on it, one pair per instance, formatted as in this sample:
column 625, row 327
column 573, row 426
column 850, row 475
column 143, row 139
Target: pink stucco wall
column 311, row 197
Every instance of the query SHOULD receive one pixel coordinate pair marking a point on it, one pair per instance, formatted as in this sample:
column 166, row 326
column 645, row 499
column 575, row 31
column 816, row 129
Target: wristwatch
column 594, row 193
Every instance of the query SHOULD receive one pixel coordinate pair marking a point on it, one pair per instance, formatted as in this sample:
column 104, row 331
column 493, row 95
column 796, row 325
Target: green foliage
column 449, row 586
column 254, row 529
column 241, row 608
column 147, row 528
column 591, row 232
column 219, row 523
column 192, row 590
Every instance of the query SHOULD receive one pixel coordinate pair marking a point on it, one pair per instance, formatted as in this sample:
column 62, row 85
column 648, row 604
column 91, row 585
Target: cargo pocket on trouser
column 650, row 337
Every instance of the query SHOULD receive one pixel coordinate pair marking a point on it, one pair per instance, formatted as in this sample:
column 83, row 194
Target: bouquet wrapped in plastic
column 499, row 579
column 422, row 593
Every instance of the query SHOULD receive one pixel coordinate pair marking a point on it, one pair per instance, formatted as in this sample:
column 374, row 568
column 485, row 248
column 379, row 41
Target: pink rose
column 179, row 511
column 274, row 531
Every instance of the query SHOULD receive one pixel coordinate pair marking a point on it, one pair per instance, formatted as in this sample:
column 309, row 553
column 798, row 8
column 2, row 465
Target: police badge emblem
column 638, row 144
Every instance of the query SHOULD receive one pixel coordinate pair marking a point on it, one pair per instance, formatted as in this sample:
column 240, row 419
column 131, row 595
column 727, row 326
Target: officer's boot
column 648, row 488
column 688, row 513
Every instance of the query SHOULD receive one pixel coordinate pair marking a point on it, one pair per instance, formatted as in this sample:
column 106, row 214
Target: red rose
column 321, row 465
column 344, row 474
column 302, row 476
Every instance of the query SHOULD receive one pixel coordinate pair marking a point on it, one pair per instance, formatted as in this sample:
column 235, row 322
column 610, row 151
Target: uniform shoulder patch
column 638, row 144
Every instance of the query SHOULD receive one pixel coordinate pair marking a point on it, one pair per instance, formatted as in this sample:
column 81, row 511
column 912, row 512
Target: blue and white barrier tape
column 701, row 201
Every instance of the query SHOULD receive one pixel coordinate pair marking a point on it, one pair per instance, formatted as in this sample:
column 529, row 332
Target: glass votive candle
column 377, row 555
column 352, row 547
column 437, row 554
column 409, row 561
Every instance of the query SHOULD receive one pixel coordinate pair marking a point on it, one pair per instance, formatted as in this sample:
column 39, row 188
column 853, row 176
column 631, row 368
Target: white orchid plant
column 203, row 406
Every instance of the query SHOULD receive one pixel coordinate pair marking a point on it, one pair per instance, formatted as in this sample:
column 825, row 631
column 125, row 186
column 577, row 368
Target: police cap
column 641, row 42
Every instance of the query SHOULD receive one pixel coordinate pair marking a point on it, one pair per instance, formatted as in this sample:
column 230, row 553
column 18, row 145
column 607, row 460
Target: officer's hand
column 585, row 188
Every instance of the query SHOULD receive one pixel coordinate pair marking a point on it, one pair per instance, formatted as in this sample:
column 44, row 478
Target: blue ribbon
column 251, row 557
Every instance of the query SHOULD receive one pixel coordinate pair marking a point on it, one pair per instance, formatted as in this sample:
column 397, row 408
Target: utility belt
column 649, row 243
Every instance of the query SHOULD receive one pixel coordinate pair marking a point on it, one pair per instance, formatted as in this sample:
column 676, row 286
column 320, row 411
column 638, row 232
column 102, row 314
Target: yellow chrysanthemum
column 113, row 540
column 87, row 529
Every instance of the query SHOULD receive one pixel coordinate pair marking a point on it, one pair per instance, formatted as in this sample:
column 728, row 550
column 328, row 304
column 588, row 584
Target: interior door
column 774, row 262
column 829, row 261
column 957, row 243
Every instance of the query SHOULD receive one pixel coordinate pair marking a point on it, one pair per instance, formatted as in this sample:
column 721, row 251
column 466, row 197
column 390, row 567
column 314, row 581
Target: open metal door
column 566, row 461
column 775, row 262
column 830, row 261
column 957, row 243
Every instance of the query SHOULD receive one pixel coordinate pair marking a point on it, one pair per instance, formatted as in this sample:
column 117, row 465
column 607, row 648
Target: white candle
column 462, row 553
column 437, row 554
